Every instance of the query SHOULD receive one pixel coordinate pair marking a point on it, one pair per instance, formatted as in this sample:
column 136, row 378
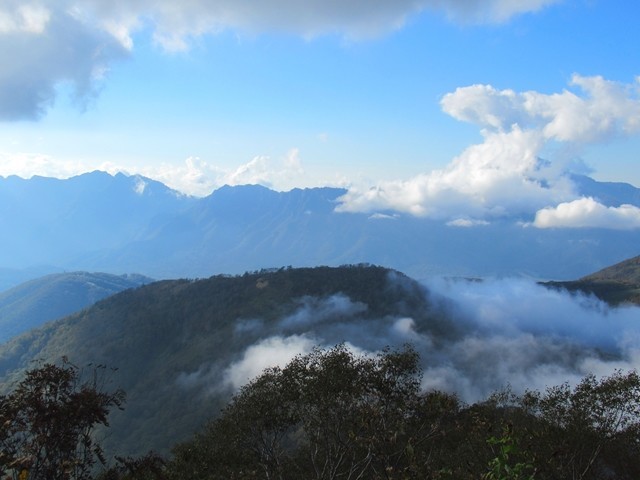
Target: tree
column 332, row 414
column 326, row 415
column 48, row 420
column 587, row 431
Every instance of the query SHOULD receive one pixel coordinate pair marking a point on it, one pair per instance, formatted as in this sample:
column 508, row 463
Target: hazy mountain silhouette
column 37, row 301
column 119, row 224
column 617, row 284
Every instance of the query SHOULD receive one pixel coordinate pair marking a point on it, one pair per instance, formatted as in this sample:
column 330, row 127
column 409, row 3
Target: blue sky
column 293, row 94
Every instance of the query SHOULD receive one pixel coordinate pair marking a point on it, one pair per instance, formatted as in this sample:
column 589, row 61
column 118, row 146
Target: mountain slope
column 176, row 342
column 627, row 271
column 182, row 347
column 616, row 285
column 35, row 302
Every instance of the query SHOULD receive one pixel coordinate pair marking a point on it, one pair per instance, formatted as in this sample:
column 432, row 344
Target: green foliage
column 47, row 424
column 332, row 414
column 326, row 415
column 503, row 466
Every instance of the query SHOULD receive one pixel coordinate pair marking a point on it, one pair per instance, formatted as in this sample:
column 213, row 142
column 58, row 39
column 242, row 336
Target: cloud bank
column 497, row 333
column 48, row 43
column 506, row 175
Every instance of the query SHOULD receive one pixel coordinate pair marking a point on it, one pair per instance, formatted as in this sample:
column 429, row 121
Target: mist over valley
column 202, row 340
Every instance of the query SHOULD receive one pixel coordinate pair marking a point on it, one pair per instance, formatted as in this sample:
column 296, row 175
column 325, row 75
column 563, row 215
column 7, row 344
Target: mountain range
column 120, row 224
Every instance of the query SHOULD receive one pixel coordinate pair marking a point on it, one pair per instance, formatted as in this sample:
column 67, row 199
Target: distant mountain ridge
column 116, row 224
column 49, row 221
column 627, row 271
column 617, row 284
column 33, row 303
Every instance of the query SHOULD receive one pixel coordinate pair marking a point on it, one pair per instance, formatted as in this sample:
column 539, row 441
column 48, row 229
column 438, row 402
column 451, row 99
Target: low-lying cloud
column 509, row 332
column 506, row 175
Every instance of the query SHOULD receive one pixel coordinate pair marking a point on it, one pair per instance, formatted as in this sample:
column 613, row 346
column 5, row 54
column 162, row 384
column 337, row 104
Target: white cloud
column 587, row 212
column 194, row 176
column 263, row 170
column 26, row 165
column 505, row 176
column 493, row 333
column 174, row 23
column 518, row 333
column 45, row 43
column 467, row 222
column 502, row 176
column 270, row 352
column 605, row 110
column 43, row 46
column 27, row 18
column 480, row 11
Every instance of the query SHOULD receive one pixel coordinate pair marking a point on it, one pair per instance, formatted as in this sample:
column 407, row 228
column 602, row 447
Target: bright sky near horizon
column 444, row 107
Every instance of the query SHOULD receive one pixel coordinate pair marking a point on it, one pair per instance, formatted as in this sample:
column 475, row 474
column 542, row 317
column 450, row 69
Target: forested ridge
column 161, row 335
column 333, row 413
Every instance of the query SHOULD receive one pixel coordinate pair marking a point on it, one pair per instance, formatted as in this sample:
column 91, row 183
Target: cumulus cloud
column 505, row 176
column 605, row 110
column 587, row 212
column 501, row 177
column 46, row 43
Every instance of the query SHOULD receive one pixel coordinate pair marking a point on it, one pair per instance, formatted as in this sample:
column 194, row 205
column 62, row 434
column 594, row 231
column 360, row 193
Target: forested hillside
column 38, row 301
column 180, row 349
column 174, row 342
